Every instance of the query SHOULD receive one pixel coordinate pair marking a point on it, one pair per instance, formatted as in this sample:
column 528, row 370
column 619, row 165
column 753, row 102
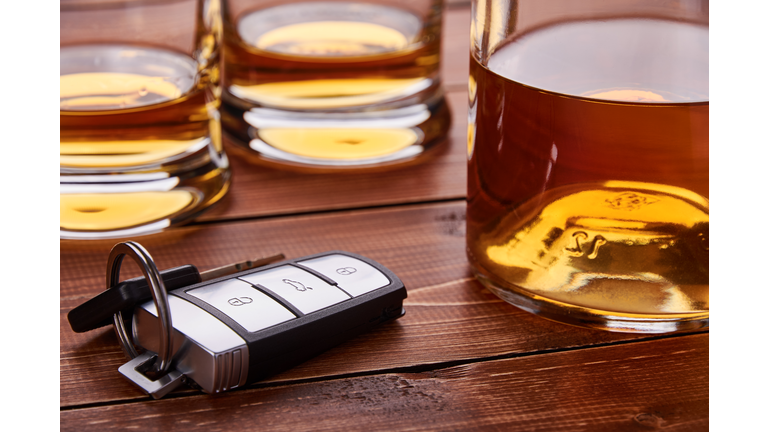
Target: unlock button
column 251, row 308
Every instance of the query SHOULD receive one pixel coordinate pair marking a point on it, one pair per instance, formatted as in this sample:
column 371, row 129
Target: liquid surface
column 100, row 77
column 329, row 30
column 634, row 60
column 132, row 109
column 352, row 60
column 591, row 192
column 336, row 38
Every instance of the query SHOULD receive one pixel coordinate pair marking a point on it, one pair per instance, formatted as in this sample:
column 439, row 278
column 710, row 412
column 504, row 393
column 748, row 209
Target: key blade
column 240, row 266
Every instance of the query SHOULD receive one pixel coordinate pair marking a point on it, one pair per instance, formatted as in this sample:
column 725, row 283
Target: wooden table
column 459, row 359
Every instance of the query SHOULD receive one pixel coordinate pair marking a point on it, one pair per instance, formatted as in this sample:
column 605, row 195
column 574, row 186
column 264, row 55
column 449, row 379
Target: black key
column 98, row 311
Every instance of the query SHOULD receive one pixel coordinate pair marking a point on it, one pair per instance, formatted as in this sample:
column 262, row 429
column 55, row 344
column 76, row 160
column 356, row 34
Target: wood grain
column 641, row 386
column 449, row 316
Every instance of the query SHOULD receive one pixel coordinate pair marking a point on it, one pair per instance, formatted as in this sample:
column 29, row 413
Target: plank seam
column 425, row 368
column 324, row 212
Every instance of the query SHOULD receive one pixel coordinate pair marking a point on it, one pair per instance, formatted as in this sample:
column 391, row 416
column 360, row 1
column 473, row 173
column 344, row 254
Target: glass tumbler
column 333, row 85
column 140, row 132
column 588, row 149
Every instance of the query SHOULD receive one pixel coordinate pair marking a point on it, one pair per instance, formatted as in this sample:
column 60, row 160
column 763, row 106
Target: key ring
column 156, row 285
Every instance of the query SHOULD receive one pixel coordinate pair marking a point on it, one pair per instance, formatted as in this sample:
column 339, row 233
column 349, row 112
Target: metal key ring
column 156, row 285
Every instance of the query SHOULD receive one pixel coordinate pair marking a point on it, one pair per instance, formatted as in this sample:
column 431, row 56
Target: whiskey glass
column 588, row 169
column 333, row 85
column 140, row 131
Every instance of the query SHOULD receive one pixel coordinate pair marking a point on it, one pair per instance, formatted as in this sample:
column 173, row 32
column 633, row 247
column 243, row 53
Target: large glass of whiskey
column 333, row 85
column 141, row 146
column 588, row 150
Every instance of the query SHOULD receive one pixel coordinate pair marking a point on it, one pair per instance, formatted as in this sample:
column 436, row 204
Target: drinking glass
column 140, row 146
column 333, row 85
column 588, row 149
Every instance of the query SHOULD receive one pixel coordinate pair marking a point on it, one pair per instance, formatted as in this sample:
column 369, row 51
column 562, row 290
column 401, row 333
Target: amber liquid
column 322, row 83
column 589, row 173
column 140, row 140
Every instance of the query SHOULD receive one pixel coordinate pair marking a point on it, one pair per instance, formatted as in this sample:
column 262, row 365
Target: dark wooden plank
column 643, row 386
column 423, row 243
column 450, row 317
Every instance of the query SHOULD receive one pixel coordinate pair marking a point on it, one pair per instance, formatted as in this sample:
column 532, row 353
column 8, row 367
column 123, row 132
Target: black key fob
column 234, row 330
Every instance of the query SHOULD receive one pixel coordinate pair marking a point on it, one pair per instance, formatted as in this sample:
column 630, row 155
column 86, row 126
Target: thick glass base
column 620, row 256
column 342, row 139
column 100, row 205
column 593, row 318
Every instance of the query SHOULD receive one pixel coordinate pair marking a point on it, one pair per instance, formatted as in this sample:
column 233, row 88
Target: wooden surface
column 459, row 359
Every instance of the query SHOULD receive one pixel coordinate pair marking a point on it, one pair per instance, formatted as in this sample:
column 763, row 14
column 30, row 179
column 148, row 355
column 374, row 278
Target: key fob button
column 302, row 289
column 353, row 276
column 248, row 306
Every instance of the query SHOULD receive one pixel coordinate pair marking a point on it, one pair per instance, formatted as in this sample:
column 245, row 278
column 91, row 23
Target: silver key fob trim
column 205, row 350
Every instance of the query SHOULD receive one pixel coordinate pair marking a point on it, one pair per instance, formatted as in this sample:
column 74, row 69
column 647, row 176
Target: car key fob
column 235, row 330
